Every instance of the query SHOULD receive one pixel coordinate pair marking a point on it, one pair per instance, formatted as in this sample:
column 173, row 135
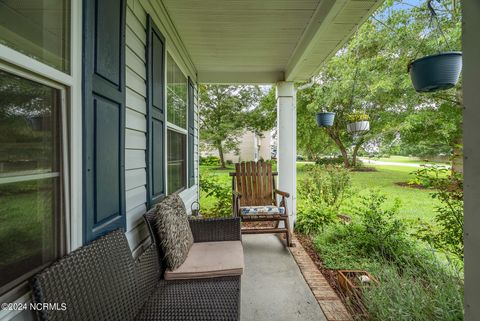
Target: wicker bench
column 101, row 281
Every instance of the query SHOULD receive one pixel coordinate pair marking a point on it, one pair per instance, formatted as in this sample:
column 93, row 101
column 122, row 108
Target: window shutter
column 104, row 117
column 155, row 113
column 191, row 133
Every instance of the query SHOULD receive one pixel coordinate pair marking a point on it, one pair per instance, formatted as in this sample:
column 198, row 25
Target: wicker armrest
column 216, row 229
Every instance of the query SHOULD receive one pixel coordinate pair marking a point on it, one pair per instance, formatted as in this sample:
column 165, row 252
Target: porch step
column 264, row 231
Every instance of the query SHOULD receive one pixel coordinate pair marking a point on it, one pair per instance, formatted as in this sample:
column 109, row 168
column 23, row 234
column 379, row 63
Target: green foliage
column 447, row 235
column 413, row 283
column 402, row 120
column 321, row 193
column 357, row 116
column 404, row 294
column 382, row 232
column 222, row 194
column 210, row 161
column 225, row 111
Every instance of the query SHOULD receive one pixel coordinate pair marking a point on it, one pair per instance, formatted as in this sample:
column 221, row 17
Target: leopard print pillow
column 173, row 230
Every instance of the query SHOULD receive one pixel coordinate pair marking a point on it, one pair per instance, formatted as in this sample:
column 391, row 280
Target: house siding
column 136, row 113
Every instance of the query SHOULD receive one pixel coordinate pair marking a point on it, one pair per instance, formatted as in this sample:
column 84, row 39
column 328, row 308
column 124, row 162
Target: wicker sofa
column 101, row 281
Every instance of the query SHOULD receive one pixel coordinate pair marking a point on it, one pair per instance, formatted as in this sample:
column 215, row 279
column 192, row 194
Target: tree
column 226, row 111
column 377, row 57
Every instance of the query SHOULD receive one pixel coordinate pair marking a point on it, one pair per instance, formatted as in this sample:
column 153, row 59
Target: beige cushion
column 173, row 230
column 210, row 260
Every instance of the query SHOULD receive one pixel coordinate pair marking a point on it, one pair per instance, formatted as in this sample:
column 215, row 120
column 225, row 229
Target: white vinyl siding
column 136, row 121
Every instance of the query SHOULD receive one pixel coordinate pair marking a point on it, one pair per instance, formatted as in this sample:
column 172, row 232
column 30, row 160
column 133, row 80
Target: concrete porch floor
column 273, row 288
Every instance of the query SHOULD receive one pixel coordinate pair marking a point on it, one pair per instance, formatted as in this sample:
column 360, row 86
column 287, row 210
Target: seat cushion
column 173, row 230
column 210, row 260
column 203, row 300
column 256, row 210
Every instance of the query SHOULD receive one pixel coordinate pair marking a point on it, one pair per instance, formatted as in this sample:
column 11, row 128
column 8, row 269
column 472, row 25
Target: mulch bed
column 330, row 275
column 364, row 169
column 413, row 185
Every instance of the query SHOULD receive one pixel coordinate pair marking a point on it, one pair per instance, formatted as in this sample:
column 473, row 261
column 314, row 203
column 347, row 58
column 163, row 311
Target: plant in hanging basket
column 436, row 72
column 358, row 122
column 325, row 119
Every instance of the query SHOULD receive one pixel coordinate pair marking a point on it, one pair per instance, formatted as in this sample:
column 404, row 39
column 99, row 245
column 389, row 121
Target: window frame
column 174, row 127
column 22, row 65
column 19, row 285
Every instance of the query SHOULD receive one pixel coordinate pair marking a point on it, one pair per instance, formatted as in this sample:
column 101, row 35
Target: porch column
column 471, row 149
column 287, row 144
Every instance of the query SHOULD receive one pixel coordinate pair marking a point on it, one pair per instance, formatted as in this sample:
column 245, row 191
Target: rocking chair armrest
column 237, row 194
column 282, row 193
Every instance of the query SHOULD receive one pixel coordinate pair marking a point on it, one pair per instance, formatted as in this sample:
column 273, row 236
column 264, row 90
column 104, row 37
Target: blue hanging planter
column 436, row 72
column 325, row 119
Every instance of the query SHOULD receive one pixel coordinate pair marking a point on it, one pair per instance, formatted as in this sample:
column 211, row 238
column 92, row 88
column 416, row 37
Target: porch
column 108, row 167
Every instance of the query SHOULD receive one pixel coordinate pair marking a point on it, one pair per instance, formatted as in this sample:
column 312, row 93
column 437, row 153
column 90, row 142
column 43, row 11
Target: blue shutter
column 103, row 117
column 191, row 133
column 155, row 114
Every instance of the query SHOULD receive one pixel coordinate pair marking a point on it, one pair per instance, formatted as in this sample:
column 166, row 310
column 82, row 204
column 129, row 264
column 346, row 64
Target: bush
column 382, row 232
column 321, row 194
column 447, row 236
column 405, row 295
column 414, row 285
column 210, row 161
column 222, row 193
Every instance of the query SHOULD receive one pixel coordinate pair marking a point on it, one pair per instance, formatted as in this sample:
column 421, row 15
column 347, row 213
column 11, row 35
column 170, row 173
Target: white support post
column 471, row 150
column 287, row 145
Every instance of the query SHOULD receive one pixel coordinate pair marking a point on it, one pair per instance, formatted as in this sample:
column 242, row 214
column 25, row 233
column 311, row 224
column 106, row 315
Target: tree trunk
column 334, row 136
column 355, row 152
column 220, row 154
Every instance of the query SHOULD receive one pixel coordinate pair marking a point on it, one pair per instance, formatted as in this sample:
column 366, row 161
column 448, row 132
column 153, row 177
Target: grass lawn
column 416, row 203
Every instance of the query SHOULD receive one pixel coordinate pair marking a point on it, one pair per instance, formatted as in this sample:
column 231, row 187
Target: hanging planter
column 358, row 123
column 325, row 119
column 436, row 72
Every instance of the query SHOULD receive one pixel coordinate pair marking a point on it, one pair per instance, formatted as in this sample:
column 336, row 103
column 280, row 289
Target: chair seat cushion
column 256, row 210
column 210, row 260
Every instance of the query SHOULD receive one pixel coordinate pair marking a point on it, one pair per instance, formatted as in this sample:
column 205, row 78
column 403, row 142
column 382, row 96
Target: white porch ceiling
column 264, row 41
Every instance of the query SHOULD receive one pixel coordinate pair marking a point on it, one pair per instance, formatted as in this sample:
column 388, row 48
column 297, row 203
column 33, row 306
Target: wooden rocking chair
column 255, row 198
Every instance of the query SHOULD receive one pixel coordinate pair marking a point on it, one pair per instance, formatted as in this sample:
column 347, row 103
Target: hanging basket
column 358, row 127
column 325, row 119
column 436, row 72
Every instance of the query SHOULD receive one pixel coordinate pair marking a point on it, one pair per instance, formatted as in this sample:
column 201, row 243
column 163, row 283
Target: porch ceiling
column 264, row 41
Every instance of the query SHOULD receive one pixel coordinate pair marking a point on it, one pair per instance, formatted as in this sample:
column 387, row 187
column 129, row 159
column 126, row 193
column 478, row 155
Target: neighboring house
column 98, row 109
column 251, row 147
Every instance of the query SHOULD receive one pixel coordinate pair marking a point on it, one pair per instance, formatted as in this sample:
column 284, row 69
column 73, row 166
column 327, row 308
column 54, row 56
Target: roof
column 264, row 41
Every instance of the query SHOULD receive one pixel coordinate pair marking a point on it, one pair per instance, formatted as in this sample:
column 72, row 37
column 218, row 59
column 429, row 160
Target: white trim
column 24, row 178
column 240, row 77
column 23, row 61
column 177, row 128
column 9, row 314
column 75, row 129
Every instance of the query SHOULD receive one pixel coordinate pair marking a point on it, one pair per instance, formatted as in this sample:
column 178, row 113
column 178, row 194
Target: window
column 177, row 91
column 176, row 95
column 176, row 161
column 30, row 178
column 39, row 29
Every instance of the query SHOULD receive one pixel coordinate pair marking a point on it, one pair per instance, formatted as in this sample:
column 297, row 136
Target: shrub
column 321, row 193
column 447, row 236
column 222, row 193
column 210, row 161
column 382, row 232
column 406, row 295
